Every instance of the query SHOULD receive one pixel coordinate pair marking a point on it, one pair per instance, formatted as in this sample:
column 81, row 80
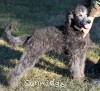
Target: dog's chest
column 74, row 39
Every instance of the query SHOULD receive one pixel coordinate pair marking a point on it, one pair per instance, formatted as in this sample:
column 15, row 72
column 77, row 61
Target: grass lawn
column 50, row 74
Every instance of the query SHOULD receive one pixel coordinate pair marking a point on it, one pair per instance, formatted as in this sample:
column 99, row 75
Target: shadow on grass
column 1, row 31
column 60, row 57
column 43, row 64
column 95, row 31
column 92, row 70
column 52, row 67
column 6, row 55
column 2, row 77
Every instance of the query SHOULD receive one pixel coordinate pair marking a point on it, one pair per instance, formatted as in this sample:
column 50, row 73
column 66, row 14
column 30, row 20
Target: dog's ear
column 69, row 17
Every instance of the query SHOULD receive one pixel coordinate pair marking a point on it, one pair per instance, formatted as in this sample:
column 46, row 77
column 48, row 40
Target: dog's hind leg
column 27, row 62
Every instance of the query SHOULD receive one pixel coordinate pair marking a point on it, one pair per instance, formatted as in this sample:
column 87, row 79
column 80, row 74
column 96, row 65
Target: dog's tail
column 14, row 41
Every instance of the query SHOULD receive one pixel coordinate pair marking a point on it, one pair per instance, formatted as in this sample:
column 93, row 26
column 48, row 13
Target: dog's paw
column 12, row 83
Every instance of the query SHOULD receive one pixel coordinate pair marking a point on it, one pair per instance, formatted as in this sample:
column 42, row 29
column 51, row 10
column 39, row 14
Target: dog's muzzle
column 84, row 22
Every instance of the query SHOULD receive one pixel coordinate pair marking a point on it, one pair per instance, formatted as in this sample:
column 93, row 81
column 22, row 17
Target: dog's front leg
column 74, row 66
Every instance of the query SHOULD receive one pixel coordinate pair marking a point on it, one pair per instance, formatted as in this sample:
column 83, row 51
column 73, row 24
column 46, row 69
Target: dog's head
column 78, row 17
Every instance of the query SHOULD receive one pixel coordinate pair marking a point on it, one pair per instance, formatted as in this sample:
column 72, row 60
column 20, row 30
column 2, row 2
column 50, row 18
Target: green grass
column 27, row 15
